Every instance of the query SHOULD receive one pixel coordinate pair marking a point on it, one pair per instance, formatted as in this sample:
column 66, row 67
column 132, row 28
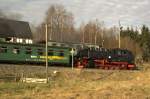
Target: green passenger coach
column 32, row 53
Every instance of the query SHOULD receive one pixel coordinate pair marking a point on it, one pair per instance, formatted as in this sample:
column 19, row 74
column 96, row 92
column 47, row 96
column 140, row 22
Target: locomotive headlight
column 109, row 57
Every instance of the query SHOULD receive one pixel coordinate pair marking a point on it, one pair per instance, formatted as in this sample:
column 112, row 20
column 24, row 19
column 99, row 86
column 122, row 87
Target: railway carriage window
column 124, row 52
column 40, row 52
column 54, row 44
column 62, row 45
column 16, row 50
column 119, row 53
column 28, row 51
column 50, row 52
column 61, row 53
column 8, row 39
column 3, row 49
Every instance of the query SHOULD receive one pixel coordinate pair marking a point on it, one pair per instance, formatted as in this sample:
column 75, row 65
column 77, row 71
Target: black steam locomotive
column 105, row 59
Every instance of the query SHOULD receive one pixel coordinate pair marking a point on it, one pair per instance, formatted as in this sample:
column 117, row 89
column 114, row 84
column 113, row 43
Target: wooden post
column 95, row 38
column 72, row 53
column 119, row 34
column 83, row 38
column 102, row 34
column 46, row 48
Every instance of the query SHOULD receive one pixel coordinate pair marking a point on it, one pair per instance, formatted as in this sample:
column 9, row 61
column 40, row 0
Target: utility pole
column 62, row 26
column 72, row 59
column 83, row 38
column 102, row 30
column 46, row 49
column 119, row 34
column 96, row 38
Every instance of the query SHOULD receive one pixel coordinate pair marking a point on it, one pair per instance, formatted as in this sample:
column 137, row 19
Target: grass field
column 76, row 84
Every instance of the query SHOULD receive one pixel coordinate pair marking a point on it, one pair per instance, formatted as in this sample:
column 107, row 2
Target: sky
column 129, row 12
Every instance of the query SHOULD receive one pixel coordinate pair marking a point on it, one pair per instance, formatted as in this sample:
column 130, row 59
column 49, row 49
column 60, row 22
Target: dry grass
column 78, row 84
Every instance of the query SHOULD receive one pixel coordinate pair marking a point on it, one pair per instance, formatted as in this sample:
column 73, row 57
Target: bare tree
column 91, row 32
column 60, row 24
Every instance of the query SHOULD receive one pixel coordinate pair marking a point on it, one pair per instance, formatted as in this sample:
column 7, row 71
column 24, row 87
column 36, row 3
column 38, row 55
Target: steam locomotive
column 105, row 59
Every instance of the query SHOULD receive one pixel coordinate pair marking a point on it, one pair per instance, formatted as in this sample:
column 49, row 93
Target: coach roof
column 12, row 28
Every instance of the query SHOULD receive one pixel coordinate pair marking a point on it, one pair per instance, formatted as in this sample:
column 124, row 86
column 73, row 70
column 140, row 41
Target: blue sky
column 129, row 12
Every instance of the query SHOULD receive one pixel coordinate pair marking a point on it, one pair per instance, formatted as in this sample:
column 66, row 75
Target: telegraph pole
column 46, row 49
column 83, row 37
column 72, row 60
column 95, row 38
column 119, row 34
column 62, row 26
column 102, row 30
